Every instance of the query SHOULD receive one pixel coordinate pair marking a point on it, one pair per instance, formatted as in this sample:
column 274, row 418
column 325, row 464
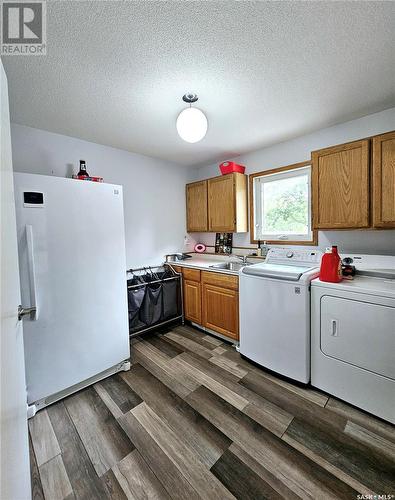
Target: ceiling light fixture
column 191, row 122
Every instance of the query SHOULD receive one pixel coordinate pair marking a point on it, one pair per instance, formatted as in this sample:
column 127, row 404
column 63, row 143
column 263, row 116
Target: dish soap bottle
column 264, row 249
column 331, row 268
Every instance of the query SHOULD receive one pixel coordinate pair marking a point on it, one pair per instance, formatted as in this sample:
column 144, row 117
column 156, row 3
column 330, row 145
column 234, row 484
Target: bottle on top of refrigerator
column 83, row 172
column 331, row 269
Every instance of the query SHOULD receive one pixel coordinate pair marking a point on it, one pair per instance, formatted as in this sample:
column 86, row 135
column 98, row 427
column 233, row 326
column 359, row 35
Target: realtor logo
column 23, row 28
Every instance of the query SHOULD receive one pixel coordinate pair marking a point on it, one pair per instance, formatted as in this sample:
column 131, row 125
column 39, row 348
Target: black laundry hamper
column 171, row 299
column 151, row 308
column 154, row 298
column 135, row 301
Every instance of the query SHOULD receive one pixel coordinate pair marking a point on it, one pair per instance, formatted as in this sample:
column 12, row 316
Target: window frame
column 314, row 233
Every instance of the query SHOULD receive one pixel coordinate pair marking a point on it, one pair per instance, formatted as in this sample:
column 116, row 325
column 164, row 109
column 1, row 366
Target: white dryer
column 353, row 336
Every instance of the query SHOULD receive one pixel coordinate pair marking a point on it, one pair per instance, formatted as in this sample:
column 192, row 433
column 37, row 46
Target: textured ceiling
column 264, row 71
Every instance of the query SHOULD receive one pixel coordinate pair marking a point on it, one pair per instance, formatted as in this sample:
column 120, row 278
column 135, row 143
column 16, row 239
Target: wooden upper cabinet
column 383, row 177
column 341, row 186
column 196, row 196
column 227, row 203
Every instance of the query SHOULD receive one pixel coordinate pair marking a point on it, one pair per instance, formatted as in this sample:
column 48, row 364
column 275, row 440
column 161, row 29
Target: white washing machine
column 274, row 298
column 353, row 336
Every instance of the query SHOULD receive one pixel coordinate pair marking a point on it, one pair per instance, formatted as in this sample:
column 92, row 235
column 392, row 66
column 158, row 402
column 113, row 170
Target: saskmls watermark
column 23, row 28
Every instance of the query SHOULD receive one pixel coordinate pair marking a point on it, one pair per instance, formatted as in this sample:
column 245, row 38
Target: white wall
column 299, row 149
column 154, row 190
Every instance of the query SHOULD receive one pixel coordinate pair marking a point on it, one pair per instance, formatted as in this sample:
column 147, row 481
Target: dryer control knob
column 290, row 254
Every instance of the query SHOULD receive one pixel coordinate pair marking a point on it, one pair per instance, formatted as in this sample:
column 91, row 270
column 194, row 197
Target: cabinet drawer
column 191, row 274
column 221, row 279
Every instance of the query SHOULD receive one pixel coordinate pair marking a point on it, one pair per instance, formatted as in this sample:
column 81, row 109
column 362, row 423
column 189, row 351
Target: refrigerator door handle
column 32, row 272
column 23, row 311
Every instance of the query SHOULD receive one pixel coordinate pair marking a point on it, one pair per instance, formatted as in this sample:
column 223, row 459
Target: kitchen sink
column 230, row 266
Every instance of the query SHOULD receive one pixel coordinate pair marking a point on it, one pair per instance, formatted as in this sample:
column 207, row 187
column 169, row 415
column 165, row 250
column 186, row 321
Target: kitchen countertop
column 204, row 261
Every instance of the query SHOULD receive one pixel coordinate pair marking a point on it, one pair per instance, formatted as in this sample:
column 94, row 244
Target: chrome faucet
column 243, row 258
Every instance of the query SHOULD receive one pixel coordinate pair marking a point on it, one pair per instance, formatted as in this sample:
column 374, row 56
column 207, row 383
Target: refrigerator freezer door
column 74, row 239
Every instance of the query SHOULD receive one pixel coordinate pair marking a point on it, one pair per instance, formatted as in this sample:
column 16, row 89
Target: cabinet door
column 384, row 180
column 192, row 301
column 221, row 310
column 341, row 186
column 196, row 195
column 222, row 204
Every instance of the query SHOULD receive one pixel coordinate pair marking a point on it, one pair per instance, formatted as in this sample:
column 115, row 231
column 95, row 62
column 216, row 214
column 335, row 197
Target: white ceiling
column 264, row 72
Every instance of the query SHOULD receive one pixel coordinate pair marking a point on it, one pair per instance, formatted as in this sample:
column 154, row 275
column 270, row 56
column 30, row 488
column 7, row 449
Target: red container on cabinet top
column 331, row 266
column 228, row 167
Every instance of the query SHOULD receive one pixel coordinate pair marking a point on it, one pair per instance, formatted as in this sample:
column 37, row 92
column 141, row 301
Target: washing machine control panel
column 295, row 257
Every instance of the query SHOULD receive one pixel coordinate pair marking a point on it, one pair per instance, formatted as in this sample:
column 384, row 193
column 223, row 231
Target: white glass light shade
column 191, row 125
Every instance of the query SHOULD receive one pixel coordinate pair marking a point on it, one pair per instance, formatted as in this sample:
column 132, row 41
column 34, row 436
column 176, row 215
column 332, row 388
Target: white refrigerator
column 71, row 242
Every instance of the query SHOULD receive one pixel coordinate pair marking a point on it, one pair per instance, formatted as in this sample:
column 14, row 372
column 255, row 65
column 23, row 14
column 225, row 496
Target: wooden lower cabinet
column 221, row 310
column 211, row 300
column 192, row 301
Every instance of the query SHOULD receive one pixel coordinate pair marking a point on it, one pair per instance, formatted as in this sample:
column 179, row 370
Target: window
column 281, row 205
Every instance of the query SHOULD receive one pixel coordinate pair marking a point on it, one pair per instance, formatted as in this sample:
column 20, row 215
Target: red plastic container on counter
column 228, row 167
column 331, row 266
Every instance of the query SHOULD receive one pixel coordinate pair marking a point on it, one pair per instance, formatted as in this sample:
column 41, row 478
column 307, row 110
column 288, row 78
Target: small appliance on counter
column 200, row 248
column 223, row 243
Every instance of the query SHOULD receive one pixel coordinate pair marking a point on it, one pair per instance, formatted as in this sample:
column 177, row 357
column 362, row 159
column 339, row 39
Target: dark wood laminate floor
column 192, row 419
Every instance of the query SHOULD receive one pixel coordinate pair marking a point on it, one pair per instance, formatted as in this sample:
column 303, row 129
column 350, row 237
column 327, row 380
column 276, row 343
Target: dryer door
column 360, row 333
